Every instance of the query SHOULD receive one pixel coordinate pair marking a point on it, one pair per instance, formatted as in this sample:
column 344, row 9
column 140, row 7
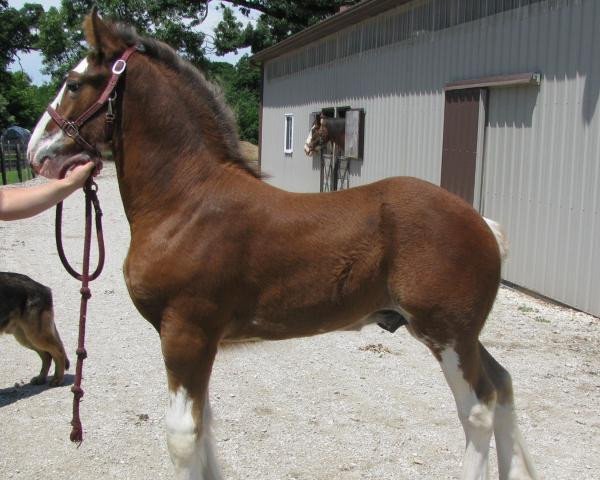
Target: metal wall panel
column 542, row 147
column 542, row 155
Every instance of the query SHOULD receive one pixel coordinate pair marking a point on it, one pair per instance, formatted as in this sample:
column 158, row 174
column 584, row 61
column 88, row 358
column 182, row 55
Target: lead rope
column 91, row 199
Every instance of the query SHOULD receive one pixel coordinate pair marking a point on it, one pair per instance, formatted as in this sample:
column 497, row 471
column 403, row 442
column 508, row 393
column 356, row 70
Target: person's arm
column 17, row 203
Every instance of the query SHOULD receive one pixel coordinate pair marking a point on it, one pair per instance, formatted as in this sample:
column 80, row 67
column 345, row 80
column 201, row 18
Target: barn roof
column 346, row 18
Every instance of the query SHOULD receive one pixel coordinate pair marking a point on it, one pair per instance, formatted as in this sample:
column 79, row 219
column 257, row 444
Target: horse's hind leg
column 189, row 353
column 514, row 462
column 475, row 398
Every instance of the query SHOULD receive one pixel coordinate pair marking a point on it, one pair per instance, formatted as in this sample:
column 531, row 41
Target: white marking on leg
column 191, row 450
column 476, row 417
column 514, row 462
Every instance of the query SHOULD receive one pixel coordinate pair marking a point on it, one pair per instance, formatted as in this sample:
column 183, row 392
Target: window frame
column 290, row 150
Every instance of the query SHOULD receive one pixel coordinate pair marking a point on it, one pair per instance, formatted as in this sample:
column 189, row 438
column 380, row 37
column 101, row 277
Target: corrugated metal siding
column 542, row 157
column 387, row 82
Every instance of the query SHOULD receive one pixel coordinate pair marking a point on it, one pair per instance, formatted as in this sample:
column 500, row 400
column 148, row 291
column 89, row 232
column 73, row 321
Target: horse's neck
column 155, row 179
column 165, row 158
column 153, row 192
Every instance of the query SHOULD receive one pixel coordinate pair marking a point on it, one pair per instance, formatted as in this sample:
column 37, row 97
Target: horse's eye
column 73, row 85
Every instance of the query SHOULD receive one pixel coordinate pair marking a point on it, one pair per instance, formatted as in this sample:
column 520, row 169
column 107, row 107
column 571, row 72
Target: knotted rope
column 91, row 199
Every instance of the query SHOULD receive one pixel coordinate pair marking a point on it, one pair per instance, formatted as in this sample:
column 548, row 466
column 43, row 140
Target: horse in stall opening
column 329, row 130
column 198, row 271
column 324, row 130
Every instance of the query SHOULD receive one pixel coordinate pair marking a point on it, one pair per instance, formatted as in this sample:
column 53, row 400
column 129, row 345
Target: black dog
column 26, row 312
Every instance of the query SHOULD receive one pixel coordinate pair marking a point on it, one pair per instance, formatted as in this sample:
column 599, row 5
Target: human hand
column 78, row 175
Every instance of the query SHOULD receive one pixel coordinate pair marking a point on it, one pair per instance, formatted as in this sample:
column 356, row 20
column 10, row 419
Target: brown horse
column 324, row 130
column 199, row 268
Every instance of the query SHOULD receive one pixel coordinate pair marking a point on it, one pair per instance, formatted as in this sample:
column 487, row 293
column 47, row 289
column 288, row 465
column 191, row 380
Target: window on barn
column 288, row 143
column 340, row 112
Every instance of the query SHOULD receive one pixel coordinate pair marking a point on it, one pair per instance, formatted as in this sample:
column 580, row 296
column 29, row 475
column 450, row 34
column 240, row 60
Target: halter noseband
column 109, row 95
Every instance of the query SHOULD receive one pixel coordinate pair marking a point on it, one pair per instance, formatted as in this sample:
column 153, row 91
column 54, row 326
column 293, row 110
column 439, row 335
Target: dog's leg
column 54, row 346
column 46, row 360
column 42, row 336
column 21, row 337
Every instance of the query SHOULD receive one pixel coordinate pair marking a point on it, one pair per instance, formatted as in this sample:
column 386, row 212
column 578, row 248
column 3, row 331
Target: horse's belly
column 294, row 326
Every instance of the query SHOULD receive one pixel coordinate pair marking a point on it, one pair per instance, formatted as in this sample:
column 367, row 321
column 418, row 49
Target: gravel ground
column 366, row 405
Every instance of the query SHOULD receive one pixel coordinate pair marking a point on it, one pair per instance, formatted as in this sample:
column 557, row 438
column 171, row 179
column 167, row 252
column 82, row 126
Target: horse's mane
column 214, row 97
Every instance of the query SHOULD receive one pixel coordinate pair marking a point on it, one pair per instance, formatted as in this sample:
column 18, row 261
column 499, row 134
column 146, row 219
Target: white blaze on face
column 41, row 145
column 308, row 140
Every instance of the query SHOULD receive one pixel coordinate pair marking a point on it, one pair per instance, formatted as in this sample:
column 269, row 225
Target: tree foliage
column 172, row 21
column 57, row 34
column 17, row 30
column 19, row 99
column 25, row 101
column 278, row 19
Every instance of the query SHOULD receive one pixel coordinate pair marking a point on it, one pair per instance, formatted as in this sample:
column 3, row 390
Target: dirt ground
column 360, row 405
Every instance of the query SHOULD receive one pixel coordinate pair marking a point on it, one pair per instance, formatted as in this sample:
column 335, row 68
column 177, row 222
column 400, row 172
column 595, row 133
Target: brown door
column 461, row 136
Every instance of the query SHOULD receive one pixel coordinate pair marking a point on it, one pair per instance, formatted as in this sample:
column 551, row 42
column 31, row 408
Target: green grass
column 13, row 177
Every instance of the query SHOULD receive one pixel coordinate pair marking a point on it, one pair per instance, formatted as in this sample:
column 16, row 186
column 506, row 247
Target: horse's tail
column 501, row 237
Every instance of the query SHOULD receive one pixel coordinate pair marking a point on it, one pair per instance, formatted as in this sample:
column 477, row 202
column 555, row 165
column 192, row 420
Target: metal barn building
column 496, row 100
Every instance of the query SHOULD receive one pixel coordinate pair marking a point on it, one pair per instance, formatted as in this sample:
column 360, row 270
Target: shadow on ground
column 18, row 392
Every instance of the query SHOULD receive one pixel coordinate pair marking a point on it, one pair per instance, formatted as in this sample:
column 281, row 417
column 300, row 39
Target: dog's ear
column 100, row 35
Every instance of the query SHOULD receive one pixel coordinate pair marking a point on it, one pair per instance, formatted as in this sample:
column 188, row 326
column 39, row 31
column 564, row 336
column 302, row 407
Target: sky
column 31, row 63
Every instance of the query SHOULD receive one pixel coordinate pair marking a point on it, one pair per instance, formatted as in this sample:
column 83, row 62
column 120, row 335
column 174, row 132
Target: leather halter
column 71, row 129
column 109, row 95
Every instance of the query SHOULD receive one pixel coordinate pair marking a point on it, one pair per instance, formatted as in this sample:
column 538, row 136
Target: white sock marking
column 476, row 417
column 191, row 451
column 514, row 462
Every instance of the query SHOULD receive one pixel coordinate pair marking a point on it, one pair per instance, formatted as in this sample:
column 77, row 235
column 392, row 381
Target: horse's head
column 317, row 137
column 73, row 129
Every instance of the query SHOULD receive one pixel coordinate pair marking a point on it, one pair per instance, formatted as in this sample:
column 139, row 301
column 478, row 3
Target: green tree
column 172, row 21
column 17, row 33
column 278, row 19
column 57, row 34
column 243, row 94
column 17, row 30
column 25, row 101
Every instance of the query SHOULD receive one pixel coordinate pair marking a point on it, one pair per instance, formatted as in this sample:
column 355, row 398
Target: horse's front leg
column 189, row 351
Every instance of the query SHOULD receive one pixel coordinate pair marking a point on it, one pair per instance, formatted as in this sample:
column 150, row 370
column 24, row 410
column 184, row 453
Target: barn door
column 462, row 150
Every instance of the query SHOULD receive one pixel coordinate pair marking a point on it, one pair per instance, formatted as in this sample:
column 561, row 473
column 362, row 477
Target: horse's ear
column 101, row 37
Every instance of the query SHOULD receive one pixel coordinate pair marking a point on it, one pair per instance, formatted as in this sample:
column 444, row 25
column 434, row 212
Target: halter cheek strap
column 71, row 127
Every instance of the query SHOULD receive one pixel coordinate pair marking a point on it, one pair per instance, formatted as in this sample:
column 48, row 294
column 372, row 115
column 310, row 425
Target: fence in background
column 13, row 163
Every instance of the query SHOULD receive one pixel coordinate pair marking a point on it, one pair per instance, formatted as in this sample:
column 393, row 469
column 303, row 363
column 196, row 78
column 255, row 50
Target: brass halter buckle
column 71, row 130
